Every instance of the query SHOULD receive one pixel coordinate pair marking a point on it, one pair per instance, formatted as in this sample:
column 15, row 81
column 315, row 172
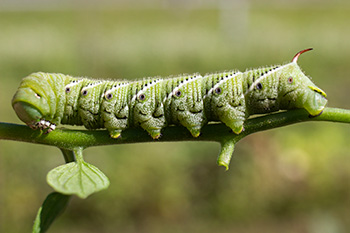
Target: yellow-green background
column 293, row 179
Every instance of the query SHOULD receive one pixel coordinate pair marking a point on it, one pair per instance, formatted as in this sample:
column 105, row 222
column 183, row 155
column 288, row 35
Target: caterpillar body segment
column 185, row 102
column 224, row 99
column 147, row 105
column 115, row 108
column 45, row 100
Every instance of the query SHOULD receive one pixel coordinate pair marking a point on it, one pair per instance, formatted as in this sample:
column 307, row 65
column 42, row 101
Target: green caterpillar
column 45, row 100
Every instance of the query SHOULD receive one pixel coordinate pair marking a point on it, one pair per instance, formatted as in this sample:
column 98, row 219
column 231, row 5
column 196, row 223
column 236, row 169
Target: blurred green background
column 293, row 179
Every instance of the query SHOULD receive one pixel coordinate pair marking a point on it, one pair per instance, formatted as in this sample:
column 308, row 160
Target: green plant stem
column 70, row 139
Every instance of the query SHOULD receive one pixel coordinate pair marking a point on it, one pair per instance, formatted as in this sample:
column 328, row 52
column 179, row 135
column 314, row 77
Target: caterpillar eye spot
column 290, row 80
column 259, row 86
column 142, row 97
column 84, row 92
column 37, row 95
column 68, row 89
column 178, row 93
column 218, row 90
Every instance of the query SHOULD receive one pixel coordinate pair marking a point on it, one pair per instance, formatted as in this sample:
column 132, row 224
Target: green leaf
column 53, row 206
column 79, row 177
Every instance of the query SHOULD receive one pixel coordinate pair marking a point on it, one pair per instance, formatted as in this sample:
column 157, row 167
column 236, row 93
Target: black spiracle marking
column 259, row 86
column 84, row 92
column 178, row 93
column 218, row 90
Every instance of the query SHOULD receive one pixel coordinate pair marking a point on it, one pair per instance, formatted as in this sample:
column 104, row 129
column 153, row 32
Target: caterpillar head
column 31, row 102
column 298, row 91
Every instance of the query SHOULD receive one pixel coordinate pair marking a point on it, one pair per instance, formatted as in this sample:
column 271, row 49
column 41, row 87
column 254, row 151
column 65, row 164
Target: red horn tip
column 295, row 58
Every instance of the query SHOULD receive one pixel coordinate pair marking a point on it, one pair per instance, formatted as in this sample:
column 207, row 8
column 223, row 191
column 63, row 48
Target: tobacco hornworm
column 45, row 100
